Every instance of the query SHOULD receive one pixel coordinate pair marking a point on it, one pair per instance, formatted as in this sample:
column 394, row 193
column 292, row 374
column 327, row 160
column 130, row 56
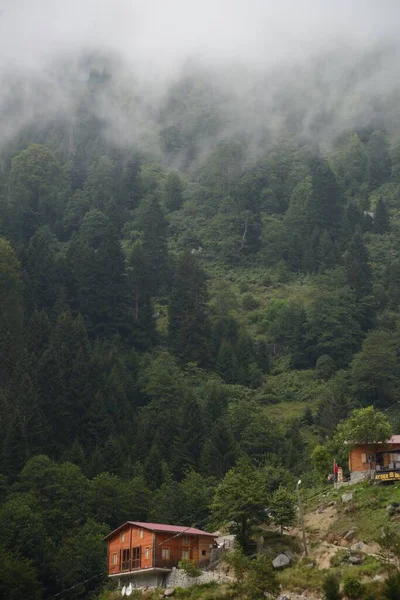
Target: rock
column 281, row 561
column 355, row 560
column 289, row 554
column 347, row 497
column 390, row 509
column 320, row 509
column 358, row 547
column 332, row 503
column 169, row 592
column 350, row 535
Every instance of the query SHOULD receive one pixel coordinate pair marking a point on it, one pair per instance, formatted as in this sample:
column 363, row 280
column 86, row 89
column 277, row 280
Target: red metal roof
column 163, row 528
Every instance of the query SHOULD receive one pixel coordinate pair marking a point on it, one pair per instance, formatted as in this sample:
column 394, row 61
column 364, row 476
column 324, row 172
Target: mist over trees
column 199, row 280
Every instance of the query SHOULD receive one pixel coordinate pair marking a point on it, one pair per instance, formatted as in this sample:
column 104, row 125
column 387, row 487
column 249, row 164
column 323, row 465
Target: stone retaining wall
column 178, row 578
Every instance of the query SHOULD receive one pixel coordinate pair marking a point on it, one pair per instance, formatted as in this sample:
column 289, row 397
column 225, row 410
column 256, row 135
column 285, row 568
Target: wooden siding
column 361, row 452
column 165, row 550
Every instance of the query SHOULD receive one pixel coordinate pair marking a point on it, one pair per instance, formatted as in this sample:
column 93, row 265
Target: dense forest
column 185, row 315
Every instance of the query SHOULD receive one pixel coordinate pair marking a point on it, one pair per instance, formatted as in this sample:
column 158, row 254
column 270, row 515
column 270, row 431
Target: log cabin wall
column 134, row 548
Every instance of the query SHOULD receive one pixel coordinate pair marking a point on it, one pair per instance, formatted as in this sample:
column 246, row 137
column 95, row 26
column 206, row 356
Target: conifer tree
column 173, row 192
column 189, row 438
column 358, row 271
column 379, row 164
column 154, row 245
column 381, row 217
column 188, row 325
column 325, row 206
column 227, row 363
column 11, row 309
column 97, row 276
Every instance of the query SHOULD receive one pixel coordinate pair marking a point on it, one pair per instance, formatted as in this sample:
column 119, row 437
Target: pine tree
column 173, row 192
column 358, row 271
column 143, row 330
column 227, row 363
column 11, row 310
column 325, row 206
column 327, row 252
column 154, row 243
column 97, row 285
column 188, row 441
column 219, row 451
column 381, row 217
column 188, row 325
column 379, row 164
column 64, row 379
column 42, row 270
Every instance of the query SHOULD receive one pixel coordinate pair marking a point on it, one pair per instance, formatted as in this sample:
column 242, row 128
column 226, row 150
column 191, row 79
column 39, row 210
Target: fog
column 319, row 54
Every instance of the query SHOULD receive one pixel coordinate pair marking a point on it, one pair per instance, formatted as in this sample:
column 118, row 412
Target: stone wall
column 178, row 578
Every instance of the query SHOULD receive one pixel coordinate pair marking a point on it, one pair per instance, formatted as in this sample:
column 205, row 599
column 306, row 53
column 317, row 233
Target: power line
column 76, row 585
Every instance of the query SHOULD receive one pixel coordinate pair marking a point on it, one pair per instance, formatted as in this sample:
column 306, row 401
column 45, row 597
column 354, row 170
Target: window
column 136, row 558
column 147, row 553
column 165, row 553
column 115, row 558
column 186, row 540
column 204, row 552
column 122, row 537
column 125, row 560
column 141, row 533
column 185, row 554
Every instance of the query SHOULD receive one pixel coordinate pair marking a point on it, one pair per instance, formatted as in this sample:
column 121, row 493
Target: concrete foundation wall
column 173, row 579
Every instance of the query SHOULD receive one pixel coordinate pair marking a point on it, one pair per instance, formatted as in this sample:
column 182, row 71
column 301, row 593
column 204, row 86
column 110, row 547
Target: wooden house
column 383, row 460
column 144, row 553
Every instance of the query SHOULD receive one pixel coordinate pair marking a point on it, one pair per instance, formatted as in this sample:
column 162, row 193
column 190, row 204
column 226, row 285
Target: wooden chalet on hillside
column 136, row 548
column 382, row 460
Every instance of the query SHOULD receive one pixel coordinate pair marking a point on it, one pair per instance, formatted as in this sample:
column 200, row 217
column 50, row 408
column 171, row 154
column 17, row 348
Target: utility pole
column 301, row 517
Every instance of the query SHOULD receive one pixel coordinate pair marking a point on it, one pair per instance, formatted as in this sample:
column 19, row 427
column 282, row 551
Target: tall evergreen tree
column 98, row 285
column 154, row 244
column 379, row 164
column 358, row 271
column 188, row 325
column 11, row 309
column 325, row 207
column 381, row 217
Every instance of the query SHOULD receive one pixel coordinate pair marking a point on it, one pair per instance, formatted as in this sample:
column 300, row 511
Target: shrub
column 353, row 588
column 190, row 568
column 339, row 558
column 249, row 302
column 391, row 590
column 331, row 588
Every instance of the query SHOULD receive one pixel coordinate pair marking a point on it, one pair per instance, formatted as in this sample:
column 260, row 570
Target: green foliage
column 240, row 500
column 173, row 343
column 190, row 568
column 282, row 508
column 331, row 588
column 353, row 588
column 364, row 426
column 391, row 588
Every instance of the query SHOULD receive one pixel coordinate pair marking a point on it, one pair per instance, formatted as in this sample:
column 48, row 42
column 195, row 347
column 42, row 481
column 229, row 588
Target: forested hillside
column 186, row 293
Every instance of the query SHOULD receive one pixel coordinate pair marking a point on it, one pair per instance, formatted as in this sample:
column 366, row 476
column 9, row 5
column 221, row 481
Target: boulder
column 347, row 497
column 320, row 509
column 281, row 561
column 331, row 503
column 350, row 535
column 355, row 560
column 391, row 509
column 169, row 592
column 358, row 547
column 289, row 554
